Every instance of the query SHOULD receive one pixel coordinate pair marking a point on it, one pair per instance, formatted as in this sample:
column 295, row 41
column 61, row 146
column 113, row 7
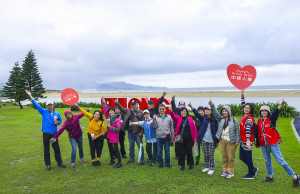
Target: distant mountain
column 123, row 86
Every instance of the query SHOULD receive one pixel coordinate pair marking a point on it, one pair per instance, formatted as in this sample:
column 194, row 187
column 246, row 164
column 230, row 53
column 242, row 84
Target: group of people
column 208, row 128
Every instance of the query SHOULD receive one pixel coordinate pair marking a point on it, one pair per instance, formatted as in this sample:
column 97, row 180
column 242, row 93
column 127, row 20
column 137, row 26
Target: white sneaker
column 205, row 170
column 210, row 172
column 223, row 173
column 229, row 175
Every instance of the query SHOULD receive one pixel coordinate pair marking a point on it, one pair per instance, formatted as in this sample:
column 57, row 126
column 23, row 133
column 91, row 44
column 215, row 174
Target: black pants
column 113, row 149
column 152, row 155
column 96, row 146
column 122, row 141
column 176, row 148
column 55, row 146
column 184, row 149
column 246, row 157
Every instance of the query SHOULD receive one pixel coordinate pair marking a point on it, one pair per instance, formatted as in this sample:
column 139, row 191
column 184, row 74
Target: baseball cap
column 49, row 102
column 150, row 102
column 146, row 111
column 134, row 102
column 207, row 107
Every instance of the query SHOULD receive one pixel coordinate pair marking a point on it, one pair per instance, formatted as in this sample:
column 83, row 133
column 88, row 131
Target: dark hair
column 101, row 117
column 200, row 108
column 251, row 108
column 111, row 109
column 181, row 101
column 269, row 114
column 182, row 109
column 161, row 105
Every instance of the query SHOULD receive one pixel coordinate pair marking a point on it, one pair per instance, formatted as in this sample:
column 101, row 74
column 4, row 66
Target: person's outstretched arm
column 214, row 110
column 161, row 100
column 36, row 105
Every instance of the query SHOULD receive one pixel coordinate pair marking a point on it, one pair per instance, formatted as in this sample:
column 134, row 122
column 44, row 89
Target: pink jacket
column 113, row 137
column 178, row 120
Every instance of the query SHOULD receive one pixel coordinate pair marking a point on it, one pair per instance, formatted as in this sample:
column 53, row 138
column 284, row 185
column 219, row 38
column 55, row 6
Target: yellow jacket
column 95, row 127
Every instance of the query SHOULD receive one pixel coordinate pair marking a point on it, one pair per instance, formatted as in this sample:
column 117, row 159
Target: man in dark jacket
column 154, row 109
column 135, row 131
column 200, row 109
column 122, row 133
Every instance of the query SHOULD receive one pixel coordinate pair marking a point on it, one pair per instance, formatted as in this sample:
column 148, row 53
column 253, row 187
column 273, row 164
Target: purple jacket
column 73, row 126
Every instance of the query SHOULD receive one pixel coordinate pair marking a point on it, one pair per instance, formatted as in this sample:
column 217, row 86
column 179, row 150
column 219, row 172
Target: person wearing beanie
column 154, row 109
column 72, row 125
column 269, row 139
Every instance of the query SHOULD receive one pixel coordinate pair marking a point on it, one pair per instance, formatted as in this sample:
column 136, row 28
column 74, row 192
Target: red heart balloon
column 241, row 78
column 69, row 96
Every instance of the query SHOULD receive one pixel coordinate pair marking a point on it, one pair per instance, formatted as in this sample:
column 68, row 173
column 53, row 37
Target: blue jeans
column 279, row 159
column 132, row 137
column 166, row 144
column 73, row 142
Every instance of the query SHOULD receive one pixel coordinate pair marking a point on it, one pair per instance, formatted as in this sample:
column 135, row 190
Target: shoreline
column 261, row 93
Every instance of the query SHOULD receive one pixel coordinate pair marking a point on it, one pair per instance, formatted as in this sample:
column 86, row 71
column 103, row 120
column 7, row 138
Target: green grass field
column 22, row 166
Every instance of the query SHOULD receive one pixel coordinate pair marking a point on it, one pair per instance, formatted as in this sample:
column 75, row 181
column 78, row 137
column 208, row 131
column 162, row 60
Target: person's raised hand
column 164, row 93
column 210, row 102
column 173, row 97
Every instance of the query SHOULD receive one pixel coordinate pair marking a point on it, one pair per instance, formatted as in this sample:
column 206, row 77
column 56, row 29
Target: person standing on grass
column 200, row 109
column 50, row 120
column 122, row 133
column 113, row 128
column 229, row 136
column 164, row 130
column 96, row 130
column 154, row 109
column 132, row 114
column 207, row 137
column 150, row 136
column 247, row 138
column 72, row 125
column 176, row 110
column 269, row 139
column 187, row 130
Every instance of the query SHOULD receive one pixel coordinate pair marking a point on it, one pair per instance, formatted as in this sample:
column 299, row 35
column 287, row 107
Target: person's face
column 117, row 111
column 69, row 115
column 50, row 107
column 207, row 112
column 247, row 109
column 150, row 105
column 183, row 113
column 264, row 113
column 147, row 116
column 201, row 112
column 181, row 104
column 97, row 116
column 162, row 110
column 111, row 113
column 134, row 107
column 225, row 113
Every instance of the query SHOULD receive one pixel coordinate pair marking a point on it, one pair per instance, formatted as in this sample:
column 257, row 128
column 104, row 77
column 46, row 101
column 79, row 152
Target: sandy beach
column 264, row 93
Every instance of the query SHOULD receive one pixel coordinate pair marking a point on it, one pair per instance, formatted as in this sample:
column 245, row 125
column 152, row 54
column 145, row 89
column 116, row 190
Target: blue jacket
column 204, row 123
column 48, row 125
column 148, row 129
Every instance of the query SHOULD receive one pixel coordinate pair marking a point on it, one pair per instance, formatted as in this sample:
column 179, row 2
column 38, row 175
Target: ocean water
column 203, row 101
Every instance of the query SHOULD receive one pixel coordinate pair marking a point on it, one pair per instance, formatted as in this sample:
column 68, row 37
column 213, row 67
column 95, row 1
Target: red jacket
column 265, row 132
column 243, row 131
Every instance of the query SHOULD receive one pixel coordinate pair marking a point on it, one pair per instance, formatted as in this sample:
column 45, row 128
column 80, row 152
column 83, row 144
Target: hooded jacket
column 234, row 130
column 116, row 124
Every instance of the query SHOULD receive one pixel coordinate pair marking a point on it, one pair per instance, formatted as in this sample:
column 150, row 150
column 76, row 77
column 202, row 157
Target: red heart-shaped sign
column 69, row 96
column 241, row 78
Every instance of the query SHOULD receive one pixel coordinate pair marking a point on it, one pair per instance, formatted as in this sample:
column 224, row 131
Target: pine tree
column 14, row 88
column 32, row 79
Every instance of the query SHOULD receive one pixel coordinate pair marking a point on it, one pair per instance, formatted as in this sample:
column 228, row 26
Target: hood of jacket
column 227, row 108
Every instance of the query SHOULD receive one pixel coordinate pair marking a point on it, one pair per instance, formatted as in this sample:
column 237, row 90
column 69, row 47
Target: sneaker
column 95, row 163
column 141, row 162
column 161, row 165
column 124, row 156
column 119, row 165
column 82, row 160
column 182, row 168
column 98, row 162
column 152, row 164
column 62, row 165
column 130, row 161
column 296, row 182
column 210, row 172
column 223, row 173
column 169, row 165
column 268, row 179
column 148, row 160
column 48, row 167
column 72, row 165
column 229, row 175
column 197, row 163
column 191, row 167
column 205, row 170
column 248, row 177
column 111, row 162
column 255, row 170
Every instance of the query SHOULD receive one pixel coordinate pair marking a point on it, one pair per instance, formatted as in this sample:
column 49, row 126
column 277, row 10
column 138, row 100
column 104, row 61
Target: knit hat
column 150, row 102
column 66, row 112
column 264, row 107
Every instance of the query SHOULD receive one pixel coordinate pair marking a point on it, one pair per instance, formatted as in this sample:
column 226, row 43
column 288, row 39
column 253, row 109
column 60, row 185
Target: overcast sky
column 188, row 43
